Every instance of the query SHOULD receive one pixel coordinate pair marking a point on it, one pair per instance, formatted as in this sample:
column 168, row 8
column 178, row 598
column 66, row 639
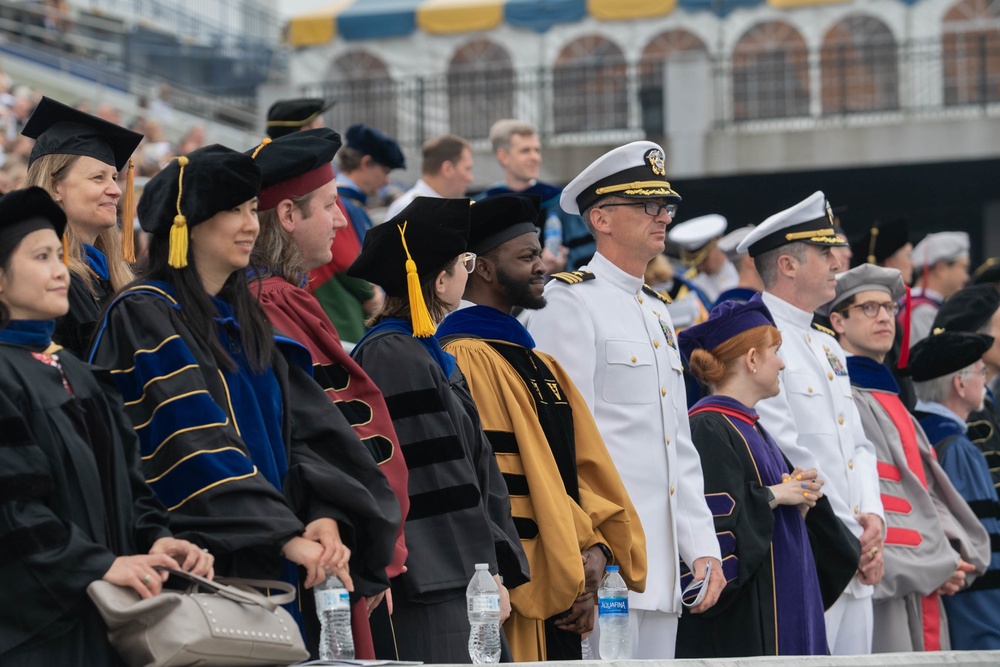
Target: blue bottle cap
column 611, row 568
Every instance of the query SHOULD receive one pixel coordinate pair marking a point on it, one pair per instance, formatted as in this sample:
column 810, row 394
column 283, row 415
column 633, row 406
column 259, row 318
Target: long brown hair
column 48, row 171
column 275, row 252
column 713, row 367
column 399, row 306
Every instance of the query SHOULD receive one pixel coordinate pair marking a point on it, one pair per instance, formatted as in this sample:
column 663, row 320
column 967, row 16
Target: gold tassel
column 65, row 243
column 263, row 142
column 423, row 326
column 177, row 256
column 128, row 215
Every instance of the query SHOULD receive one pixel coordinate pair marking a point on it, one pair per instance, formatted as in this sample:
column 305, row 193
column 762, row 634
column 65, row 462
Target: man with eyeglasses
column 950, row 378
column 933, row 540
column 571, row 508
column 615, row 338
column 813, row 418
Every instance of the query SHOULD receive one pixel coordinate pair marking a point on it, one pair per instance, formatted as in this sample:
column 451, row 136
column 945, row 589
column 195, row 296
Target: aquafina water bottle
column 483, row 601
column 333, row 606
column 612, row 614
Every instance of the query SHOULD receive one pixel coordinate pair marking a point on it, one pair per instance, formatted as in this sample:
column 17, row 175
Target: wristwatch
column 608, row 556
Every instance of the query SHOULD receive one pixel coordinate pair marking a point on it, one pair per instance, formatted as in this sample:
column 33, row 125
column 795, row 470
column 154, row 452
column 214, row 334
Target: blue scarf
column 486, row 322
column 446, row 361
column 870, row 374
column 97, row 261
column 28, row 333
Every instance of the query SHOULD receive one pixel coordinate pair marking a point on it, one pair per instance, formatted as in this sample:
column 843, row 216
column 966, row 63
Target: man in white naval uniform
column 813, row 418
column 614, row 337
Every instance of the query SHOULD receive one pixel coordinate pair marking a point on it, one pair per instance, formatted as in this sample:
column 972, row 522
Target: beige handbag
column 221, row 622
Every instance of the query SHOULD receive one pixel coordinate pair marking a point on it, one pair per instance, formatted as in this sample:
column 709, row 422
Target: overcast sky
column 292, row 7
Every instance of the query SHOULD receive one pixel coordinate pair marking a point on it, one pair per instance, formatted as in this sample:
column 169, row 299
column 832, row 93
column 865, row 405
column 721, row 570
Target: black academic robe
column 72, row 499
column 75, row 329
column 459, row 507
column 198, row 463
column 985, row 434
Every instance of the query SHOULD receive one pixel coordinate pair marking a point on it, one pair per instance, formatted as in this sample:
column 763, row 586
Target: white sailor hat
column 941, row 247
column 636, row 171
column 730, row 241
column 863, row 278
column 809, row 221
column 697, row 237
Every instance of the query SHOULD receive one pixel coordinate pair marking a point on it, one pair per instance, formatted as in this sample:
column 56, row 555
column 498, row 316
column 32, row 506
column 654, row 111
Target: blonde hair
column 713, row 367
column 47, row 172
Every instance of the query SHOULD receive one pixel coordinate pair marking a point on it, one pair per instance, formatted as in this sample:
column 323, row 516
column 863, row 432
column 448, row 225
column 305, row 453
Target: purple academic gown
column 772, row 603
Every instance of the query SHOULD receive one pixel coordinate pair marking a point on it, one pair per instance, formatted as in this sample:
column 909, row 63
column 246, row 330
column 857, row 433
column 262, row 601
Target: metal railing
column 596, row 103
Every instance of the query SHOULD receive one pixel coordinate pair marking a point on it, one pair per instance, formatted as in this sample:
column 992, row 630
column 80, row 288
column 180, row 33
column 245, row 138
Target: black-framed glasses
column 871, row 308
column 652, row 208
column 468, row 260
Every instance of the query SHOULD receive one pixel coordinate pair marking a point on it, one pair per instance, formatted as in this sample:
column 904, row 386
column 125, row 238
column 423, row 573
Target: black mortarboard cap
column 287, row 116
column 436, row 231
column 987, row 272
column 380, row 146
column 499, row 218
column 946, row 352
column 968, row 309
column 25, row 211
column 880, row 241
column 60, row 129
column 191, row 189
column 295, row 164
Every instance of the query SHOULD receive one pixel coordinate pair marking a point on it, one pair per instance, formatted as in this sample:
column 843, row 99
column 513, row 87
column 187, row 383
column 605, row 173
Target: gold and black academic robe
column 566, row 495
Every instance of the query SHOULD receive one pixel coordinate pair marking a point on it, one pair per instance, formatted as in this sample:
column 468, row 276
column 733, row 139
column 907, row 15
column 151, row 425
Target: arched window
column 970, row 52
column 590, row 86
column 859, row 67
column 770, row 73
column 658, row 51
column 364, row 91
column 480, row 88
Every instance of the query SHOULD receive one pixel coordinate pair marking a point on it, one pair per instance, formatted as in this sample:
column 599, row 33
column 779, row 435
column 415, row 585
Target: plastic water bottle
column 612, row 613
column 483, row 600
column 333, row 606
column 552, row 234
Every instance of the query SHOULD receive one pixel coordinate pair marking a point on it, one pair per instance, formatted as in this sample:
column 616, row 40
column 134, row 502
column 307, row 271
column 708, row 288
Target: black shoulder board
column 827, row 330
column 573, row 277
column 652, row 292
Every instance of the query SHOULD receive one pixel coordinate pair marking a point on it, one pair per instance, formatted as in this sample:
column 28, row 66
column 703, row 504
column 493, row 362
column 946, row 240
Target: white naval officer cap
column 863, row 278
column 635, row 171
column 697, row 236
column 730, row 241
column 809, row 221
column 941, row 247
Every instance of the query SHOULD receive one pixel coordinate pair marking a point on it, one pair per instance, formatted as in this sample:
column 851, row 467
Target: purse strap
column 226, row 587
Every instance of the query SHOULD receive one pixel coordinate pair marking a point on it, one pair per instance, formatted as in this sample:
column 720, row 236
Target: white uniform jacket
column 815, row 422
column 618, row 345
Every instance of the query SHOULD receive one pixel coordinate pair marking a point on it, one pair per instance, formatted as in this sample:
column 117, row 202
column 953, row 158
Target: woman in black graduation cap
column 74, row 506
column 459, row 508
column 76, row 159
column 238, row 441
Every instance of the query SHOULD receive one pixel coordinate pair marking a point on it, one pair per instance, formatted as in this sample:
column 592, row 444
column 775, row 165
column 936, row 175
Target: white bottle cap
column 483, row 566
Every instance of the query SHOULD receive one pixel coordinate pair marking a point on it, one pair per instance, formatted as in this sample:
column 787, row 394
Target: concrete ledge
column 963, row 658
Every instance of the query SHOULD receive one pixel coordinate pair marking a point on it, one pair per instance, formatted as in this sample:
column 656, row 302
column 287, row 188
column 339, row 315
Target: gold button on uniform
column 809, row 389
column 830, row 375
column 656, row 343
column 668, row 439
column 809, row 338
column 671, row 490
column 840, row 420
column 633, row 358
column 850, row 464
column 639, row 298
column 857, row 510
column 663, row 391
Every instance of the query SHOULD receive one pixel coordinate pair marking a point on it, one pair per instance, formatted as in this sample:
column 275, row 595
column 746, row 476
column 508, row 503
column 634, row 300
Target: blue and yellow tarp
column 382, row 19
